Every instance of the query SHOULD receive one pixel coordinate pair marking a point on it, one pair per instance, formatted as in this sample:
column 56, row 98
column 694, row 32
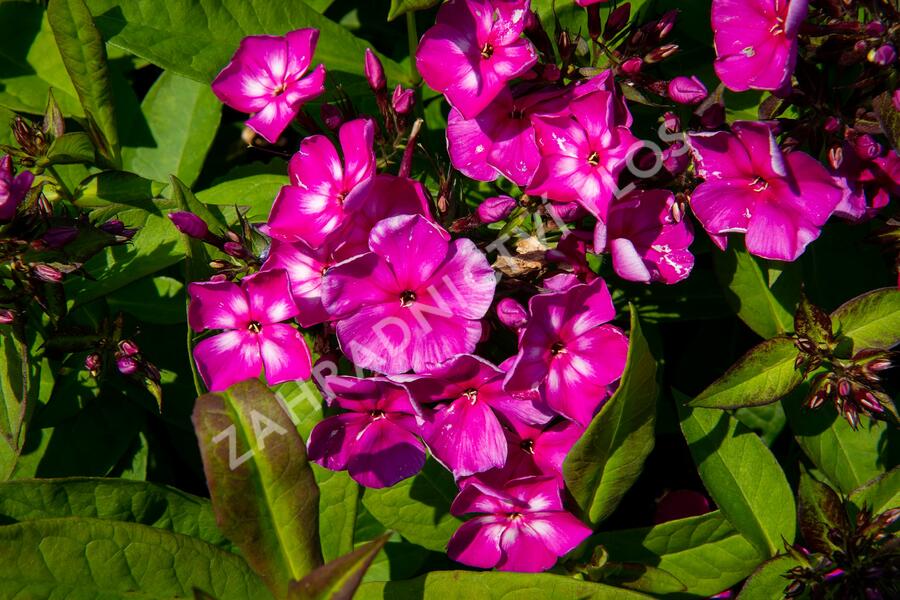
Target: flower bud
column 511, row 313
column 896, row 100
column 57, row 237
column 234, row 249
column 128, row 348
column 92, row 364
column 495, row 209
column 331, row 116
column 189, row 224
column 867, row 147
column 375, row 72
column 617, row 21
column 632, row 66
column 687, row 90
column 671, row 122
column 666, row 23
column 151, row 372
column 875, row 29
column 126, row 365
column 661, row 53
column 595, row 25
column 402, row 100
column 47, row 273
column 832, row 124
column 885, row 55
column 6, row 316
column 675, row 159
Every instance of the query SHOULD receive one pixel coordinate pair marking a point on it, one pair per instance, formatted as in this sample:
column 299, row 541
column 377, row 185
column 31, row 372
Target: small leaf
column 401, row 7
column 871, row 320
column 54, row 122
column 812, row 322
column 889, row 118
column 84, row 55
column 338, row 579
column 768, row 580
column 819, row 510
column 705, row 552
column 879, row 494
column 741, row 475
column 262, row 488
column 610, row 455
column 71, row 148
column 762, row 376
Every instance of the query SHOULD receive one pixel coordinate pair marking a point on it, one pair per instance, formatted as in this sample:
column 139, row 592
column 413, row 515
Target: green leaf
column 463, row 585
column 768, row 580
column 183, row 116
column 157, row 299
column 819, row 509
column 741, row 475
column 71, row 148
column 880, row 493
column 401, row 7
column 846, row 457
column 763, row 298
column 200, row 52
column 641, row 578
column 112, row 500
column 256, row 193
column 185, row 200
column 30, row 62
column 338, row 499
column 338, row 579
column 871, row 320
column 767, row 421
column 84, row 55
column 262, row 488
column 16, row 395
column 763, row 375
column 610, row 455
column 120, row 190
column 705, row 552
column 90, row 559
column 889, row 118
column 418, row 508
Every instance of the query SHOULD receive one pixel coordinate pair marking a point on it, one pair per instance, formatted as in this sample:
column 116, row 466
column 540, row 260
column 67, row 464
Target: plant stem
column 412, row 40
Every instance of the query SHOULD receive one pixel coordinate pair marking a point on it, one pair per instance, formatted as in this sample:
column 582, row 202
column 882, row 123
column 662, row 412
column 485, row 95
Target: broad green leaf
column 183, row 116
column 819, row 509
column 879, row 494
column 81, row 558
column 641, row 578
column 705, row 552
column 120, row 189
column 871, row 320
column 133, row 464
column 610, row 455
column 173, row 40
column 73, row 147
column 889, row 117
column 741, row 475
column 763, row 375
column 338, row 499
column 157, row 299
column 30, row 63
column 401, row 7
column 762, row 297
column 84, row 56
column 846, row 457
column 418, row 508
column 767, row 421
column 768, row 580
column 338, row 579
column 463, row 585
column 185, row 200
column 16, row 395
column 112, row 500
column 262, row 488
column 256, row 193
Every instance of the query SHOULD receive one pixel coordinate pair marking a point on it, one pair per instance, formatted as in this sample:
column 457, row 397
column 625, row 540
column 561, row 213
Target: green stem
column 412, row 40
column 60, row 184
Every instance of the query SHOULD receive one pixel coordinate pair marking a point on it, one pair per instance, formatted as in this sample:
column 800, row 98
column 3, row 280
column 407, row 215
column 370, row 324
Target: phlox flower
column 415, row 299
column 522, row 527
column 582, row 153
column 12, row 188
column 756, row 42
column 312, row 206
column 474, row 48
column 570, row 351
column 375, row 439
column 252, row 315
column 466, row 434
column 266, row 77
column 644, row 240
column 780, row 201
column 867, row 183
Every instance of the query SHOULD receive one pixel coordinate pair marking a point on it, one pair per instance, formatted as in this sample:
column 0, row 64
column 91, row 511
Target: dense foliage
column 476, row 298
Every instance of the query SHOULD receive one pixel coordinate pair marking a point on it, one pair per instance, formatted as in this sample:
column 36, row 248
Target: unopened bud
column 47, row 273
column 896, row 100
column 331, row 116
column 126, row 365
column 402, row 100
column 875, row 29
column 687, row 90
column 217, row 264
column 375, row 72
column 128, row 348
column 617, row 21
column 189, row 224
column 661, row 53
column 883, row 56
column 671, row 122
column 92, row 364
column 632, row 66
column 151, row 372
column 844, row 387
column 234, row 249
column 57, row 237
column 511, row 313
column 495, row 209
column 7, row 316
column 666, row 23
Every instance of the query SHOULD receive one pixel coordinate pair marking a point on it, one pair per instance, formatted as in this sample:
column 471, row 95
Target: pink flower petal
column 357, row 140
column 332, row 440
column 477, row 542
column 284, row 354
column 413, row 247
column 385, row 454
column 227, row 358
column 270, row 296
column 217, row 305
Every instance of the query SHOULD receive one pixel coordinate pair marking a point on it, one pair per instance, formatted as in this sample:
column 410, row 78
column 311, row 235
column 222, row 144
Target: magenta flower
column 645, row 242
column 466, row 434
column 583, row 153
column 313, row 205
column 265, row 77
column 12, row 188
column 378, row 198
column 570, row 350
column 867, row 182
column 756, row 42
column 474, row 48
column 780, row 201
column 375, row 439
column 252, row 315
column 523, row 527
column 416, row 299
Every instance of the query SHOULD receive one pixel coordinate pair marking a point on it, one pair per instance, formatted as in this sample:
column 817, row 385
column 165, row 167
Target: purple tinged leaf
column 819, row 510
column 338, row 579
column 811, row 322
column 871, row 320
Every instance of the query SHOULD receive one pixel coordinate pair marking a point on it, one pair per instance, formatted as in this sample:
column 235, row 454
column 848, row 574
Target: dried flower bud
column 402, row 100
column 687, row 90
column 375, row 72
column 495, row 209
